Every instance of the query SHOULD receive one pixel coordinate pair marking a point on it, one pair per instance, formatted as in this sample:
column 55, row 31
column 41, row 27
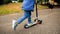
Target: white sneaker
column 14, row 24
column 30, row 24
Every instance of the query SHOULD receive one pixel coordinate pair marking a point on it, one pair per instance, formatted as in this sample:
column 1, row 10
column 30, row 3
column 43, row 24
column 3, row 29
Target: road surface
column 50, row 24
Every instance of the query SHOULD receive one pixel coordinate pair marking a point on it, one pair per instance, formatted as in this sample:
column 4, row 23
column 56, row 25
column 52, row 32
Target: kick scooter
column 36, row 21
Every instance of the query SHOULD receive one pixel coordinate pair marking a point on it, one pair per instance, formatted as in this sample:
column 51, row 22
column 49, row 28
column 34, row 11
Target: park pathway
column 50, row 24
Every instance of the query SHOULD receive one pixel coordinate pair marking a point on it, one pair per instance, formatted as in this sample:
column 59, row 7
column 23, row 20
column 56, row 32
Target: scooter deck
column 29, row 26
column 37, row 22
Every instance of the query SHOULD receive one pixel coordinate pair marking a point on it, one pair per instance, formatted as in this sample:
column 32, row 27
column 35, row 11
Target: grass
column 14, row 8
column 10, row 8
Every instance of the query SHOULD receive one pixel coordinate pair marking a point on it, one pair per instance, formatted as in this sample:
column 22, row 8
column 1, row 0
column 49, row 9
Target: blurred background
column 14, row 6
column 55, row 2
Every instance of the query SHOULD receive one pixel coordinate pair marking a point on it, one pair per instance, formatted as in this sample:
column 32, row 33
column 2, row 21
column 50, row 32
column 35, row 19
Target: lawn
column 14, row 8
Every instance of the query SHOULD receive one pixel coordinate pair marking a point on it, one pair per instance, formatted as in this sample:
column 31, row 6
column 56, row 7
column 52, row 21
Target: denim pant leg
column 26, row 14
column 29, row 17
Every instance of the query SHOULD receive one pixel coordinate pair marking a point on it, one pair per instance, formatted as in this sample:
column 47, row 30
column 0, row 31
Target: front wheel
column 40, row 21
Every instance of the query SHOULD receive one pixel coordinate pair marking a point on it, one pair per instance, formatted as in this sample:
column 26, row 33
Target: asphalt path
column 50, row 23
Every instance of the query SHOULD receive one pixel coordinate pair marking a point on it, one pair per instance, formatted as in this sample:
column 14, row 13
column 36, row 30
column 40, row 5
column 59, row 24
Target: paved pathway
column 50, row 24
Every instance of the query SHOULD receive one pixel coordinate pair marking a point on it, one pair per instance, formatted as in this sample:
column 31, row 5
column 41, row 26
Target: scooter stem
column 36, row 10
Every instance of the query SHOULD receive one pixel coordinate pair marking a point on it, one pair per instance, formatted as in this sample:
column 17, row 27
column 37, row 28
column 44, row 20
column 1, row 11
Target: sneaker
column 26, row 26
column 14, row 24
column 29, row 25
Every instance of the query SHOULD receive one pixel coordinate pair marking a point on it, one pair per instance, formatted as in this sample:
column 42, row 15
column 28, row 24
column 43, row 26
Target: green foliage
column 6, row 1
column 20, row 0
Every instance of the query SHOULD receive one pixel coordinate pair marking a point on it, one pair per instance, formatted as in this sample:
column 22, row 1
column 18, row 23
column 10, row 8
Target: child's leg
column 29, row 17
column 26, row 14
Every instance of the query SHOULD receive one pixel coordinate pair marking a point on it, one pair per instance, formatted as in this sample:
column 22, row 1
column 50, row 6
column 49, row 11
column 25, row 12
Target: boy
column 28, row 7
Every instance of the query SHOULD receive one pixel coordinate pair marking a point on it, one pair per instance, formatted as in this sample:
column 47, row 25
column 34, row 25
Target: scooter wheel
column 40, row 21
column 25, row 26
column 35, row 20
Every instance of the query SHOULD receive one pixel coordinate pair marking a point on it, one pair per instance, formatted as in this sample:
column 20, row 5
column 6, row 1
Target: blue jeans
column 27, row 14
